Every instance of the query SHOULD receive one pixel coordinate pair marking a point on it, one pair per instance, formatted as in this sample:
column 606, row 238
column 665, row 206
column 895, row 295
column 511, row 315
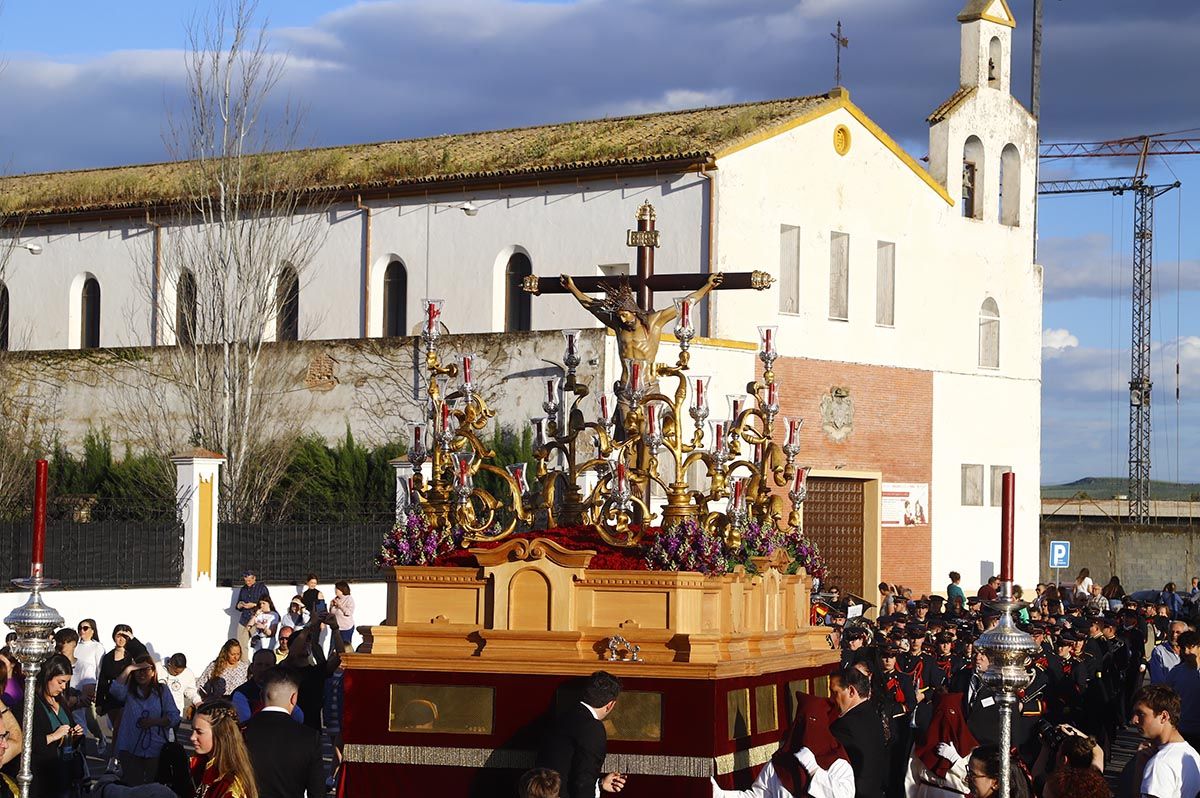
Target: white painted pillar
column 197, row 488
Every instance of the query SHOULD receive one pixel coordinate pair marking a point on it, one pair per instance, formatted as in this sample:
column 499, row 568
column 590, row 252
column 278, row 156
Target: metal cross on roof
column 841, row 41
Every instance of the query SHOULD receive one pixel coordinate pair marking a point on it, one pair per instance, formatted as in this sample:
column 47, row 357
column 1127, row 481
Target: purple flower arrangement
column 762, row 541
column 413, row 542
column 687, row 547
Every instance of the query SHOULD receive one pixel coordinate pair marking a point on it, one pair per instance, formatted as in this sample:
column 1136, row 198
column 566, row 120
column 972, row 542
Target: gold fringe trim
column 700, row 767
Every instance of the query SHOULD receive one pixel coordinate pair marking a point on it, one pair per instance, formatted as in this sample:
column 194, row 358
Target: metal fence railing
column 333, row 545
column 98, row 543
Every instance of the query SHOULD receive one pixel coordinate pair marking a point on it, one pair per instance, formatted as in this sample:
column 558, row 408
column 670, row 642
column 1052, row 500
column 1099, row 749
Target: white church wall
column 568, row 228
column 943, row 263
column 988, row 421
column 43, row 289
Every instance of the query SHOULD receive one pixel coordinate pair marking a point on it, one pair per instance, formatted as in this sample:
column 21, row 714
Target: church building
column 907, row 301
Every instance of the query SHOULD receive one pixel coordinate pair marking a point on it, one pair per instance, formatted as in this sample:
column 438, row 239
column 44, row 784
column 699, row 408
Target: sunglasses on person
column 85, row 628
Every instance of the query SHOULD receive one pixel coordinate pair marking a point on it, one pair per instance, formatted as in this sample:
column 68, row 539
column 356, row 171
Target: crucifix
column 628, row 305
column 841, row 41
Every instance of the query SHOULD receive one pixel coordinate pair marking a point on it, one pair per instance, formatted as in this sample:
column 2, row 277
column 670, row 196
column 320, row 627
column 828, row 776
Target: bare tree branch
column 224, row 252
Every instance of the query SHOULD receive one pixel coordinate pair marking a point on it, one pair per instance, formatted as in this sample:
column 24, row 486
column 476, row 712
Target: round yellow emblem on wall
column 841, row 139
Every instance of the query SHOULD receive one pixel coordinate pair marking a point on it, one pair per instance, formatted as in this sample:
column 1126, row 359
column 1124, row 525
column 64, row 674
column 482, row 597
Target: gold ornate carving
column 645, row 212
column 530, row 284
column 760, row 281
column 535, row 549
column 778, row 560
column 841, row 139
column 641, row 238
column 441, row 709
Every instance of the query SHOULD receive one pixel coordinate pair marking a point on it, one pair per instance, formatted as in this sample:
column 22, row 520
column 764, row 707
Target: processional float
column 652, row 538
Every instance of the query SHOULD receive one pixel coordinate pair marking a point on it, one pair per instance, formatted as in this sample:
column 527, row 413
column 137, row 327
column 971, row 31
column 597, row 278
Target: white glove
column 948, row 751
column 807, row 760
column 717, row 791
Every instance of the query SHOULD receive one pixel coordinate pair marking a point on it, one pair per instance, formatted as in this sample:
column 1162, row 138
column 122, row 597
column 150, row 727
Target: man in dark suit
column 859, row 730
column 577, row 743
column 286, row 755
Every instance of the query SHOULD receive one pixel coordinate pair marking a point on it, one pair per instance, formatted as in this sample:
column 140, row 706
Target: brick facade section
column 893, row 434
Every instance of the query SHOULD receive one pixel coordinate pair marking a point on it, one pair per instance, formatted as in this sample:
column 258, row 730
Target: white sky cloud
column 1058, row 339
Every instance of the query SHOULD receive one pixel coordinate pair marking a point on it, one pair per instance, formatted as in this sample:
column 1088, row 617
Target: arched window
column 989, row 334
column 995, row 64
column 287, row 308
column 972, row 179
column 3, row 317
column 517, row 311
column 1010, row 186
column 89, row 315
column 395, row 300
column 185, row 309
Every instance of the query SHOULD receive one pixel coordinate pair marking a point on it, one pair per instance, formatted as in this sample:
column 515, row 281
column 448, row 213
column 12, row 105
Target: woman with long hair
column 221, row 767
column 226, row 673
column 89, row 654
column 149, row 714
column 1114, row 593
column 1083, row 586
column 126, row 648
column 56, row 760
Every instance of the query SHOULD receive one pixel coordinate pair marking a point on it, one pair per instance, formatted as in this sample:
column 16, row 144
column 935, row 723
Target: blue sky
column 88, row 84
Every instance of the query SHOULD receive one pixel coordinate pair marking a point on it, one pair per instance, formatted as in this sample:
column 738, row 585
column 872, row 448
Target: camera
column 1050, row 734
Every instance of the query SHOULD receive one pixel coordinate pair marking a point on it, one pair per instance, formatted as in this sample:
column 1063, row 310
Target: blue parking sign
column 1060, row 554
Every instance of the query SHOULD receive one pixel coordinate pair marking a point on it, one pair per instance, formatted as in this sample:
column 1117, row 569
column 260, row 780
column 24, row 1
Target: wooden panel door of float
column 833, row 519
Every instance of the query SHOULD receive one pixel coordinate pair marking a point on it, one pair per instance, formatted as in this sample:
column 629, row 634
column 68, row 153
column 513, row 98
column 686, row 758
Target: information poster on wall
column 905, row 504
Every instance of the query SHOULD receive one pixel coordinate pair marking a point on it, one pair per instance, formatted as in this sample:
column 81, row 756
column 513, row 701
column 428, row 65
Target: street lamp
column 33, row 249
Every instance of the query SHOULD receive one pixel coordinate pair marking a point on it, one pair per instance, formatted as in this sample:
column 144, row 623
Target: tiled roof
column 953, row 101
column 544, row 150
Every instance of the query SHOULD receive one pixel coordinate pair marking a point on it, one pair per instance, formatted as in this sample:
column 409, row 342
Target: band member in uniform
column 897, row 699
column 921, row 667
column 948, row 662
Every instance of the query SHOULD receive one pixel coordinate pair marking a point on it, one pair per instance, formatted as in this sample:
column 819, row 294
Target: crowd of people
column 1104, row 661
column 257, row 713
column 911, row 711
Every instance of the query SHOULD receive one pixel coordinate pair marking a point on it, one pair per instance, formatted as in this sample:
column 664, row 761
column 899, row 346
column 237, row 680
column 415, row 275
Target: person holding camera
column 57, row 760
column 1078, row 768
column 150, row 714
column 310, row 667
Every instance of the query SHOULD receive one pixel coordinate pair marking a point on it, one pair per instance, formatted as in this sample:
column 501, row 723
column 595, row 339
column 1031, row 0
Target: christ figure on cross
column 638, row 331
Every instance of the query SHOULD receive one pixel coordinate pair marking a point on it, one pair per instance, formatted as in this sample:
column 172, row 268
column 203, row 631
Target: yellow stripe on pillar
column 204, row 553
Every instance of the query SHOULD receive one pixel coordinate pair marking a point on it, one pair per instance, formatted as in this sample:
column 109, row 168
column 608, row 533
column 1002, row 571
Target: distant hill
column 1108, row 487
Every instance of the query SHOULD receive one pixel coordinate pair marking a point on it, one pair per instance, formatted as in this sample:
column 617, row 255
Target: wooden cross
column 645, row 282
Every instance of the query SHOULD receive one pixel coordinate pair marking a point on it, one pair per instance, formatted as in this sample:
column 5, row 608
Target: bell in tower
column 987, row 27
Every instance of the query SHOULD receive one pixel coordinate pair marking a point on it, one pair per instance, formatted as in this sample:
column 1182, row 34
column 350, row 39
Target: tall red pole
column 1008, row 486
column 41, row 480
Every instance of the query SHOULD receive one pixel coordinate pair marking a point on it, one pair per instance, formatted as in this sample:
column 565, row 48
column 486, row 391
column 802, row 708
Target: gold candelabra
column 603, row 473
column 741, row 459
column 449, row 497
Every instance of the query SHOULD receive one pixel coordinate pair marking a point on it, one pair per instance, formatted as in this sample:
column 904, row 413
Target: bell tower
column 986, row 61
